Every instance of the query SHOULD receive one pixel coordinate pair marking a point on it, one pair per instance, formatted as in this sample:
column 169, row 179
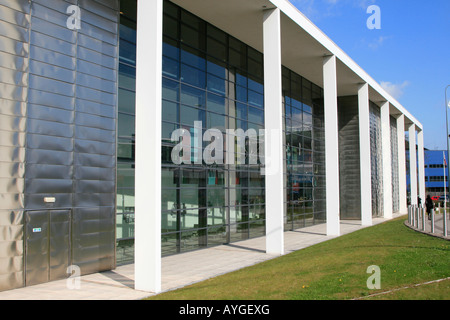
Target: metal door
column 47, row 246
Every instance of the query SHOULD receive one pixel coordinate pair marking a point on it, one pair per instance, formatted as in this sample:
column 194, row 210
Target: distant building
column 434, row 172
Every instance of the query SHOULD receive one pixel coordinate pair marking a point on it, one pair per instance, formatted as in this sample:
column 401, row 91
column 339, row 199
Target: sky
column 409, row 55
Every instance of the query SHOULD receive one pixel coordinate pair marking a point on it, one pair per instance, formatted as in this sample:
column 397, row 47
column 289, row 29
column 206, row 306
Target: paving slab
column 177, row 270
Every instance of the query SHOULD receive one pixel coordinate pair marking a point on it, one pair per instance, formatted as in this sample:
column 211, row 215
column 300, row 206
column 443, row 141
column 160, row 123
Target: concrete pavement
column 177, row 270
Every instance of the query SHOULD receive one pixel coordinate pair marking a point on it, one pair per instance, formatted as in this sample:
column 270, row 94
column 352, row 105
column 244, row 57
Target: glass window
column 216, row 121
column 127, row 77
column 170, row 27
column 170, row 90
column 217, row 68
column 255, row 115
column 170, row 48
column 193, row 97
column 189, row 115
column 126, row 101
column 217, row 85
column 255, row 99
column 216, row 34
column 216, row 103
column 193, row 58
column 193, row 76
column 216, row 49
column 169, row 111
column 127, row 124
column 170, row 68
column 192, row 37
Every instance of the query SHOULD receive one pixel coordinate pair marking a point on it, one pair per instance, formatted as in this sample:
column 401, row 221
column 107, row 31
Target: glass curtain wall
column 305, row 152
column 126, row 132
column 376, row 159
column 394, row 165
column 211, row 80
column 215, row 80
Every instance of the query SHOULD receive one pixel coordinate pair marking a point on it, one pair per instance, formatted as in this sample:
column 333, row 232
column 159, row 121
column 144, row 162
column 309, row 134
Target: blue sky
column 409, row 56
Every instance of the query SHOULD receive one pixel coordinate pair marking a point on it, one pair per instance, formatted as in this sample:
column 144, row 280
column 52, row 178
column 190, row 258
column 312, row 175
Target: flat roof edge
column 302, row 21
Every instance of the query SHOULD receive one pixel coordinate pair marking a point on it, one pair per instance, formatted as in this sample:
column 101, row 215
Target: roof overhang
column 303, row 44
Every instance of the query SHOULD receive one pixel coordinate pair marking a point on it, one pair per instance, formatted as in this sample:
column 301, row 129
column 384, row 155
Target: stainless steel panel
column 14, row 54
column 19, row 5
column 13, row 108
column 13, row 77
column 14, row 32
column 57, row 129
column 47, row 245
column 14, row 17
column 60, row 32
column 50, row 114
column 96, row 108
column 52, row 57
column 98, row 45
column 36, row 141
column 11, row 139
column 95, row 147
column 14, row 47
column 60, row 239
column 51, row 100
column 12, row 170
column 37, row 250
column 49, row 157
column 12, row 123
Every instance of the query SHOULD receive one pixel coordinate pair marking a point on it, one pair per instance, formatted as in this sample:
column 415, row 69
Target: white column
column 364, row 155
column 413, row 164
column 331, row 145
column 403, row 208
column 421, row 166
column 386, row 155
column 148, row 146
column 273, row 115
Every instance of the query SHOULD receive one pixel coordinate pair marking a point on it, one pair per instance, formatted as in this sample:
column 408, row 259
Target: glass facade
column 305, row 152
column 376, row 159
column 213, row 80
column 394, row 165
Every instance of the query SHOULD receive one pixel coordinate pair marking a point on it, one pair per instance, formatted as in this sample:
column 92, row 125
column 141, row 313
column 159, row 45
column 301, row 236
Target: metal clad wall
column 95, row 136
column 58, row 92
column 349, row 167
column 14, row 62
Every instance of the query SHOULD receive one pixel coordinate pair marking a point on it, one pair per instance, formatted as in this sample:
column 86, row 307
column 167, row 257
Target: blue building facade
column 434, row 172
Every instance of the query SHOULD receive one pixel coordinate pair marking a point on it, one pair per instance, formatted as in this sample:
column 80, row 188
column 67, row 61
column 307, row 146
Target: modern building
column 135, row 129
column 436, row 172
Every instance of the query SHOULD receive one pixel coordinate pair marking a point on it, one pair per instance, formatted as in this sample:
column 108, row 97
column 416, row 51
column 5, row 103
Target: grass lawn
column 336, row 269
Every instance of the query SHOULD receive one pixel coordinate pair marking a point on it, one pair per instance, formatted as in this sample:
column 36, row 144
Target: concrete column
column 148, row 146
column 387, row 164
column 273, row 115
column 403, row 208
column 331, row 145
column 421, row 166
column 413, row 164
column 364, row 147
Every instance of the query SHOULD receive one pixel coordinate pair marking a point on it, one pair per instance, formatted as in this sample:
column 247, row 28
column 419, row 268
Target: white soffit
column 303, row 44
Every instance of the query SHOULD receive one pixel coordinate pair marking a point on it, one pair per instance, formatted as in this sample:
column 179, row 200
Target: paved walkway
column 177, row 270
column 438, row 226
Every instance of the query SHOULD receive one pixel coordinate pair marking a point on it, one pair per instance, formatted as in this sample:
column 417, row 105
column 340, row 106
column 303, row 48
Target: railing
column 433, row 223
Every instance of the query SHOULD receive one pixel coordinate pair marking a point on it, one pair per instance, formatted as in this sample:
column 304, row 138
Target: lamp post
column 448, row 172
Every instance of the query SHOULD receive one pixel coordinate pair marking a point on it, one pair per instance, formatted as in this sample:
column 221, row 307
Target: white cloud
column 395, row 90
column 378, row 42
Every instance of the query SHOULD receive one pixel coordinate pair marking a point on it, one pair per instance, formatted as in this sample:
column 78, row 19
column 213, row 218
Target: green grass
column 336, row 269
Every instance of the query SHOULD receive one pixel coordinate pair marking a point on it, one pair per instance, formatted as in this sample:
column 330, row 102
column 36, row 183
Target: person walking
column 429, row 206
